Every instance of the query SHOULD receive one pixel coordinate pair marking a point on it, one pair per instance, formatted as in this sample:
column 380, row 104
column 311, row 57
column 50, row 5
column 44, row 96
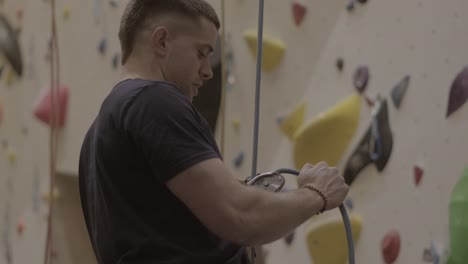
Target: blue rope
column 344, row 214
column 257, row 86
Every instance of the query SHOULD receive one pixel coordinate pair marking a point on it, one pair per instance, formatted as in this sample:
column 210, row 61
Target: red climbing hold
column 390, row 246
column 299, row 11
column 42, row 109
column 20, row 226
column 1, row 113
column 418, row 173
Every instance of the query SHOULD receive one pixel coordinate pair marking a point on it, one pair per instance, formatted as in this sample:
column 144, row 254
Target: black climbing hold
column 361, row 158
column 9, row 45
column 340, row 64
column 398, row 92
column 350, row 5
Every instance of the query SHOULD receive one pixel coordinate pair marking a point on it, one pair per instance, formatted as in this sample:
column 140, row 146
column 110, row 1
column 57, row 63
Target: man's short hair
column 138, row 11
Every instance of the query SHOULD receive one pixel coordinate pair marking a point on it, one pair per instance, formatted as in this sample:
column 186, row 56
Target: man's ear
column 159, row 39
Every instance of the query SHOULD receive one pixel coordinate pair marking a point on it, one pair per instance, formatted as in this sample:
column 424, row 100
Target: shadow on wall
column 208, row 101
column 70, row 225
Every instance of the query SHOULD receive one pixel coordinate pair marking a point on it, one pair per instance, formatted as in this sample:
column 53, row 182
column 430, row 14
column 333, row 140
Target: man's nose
column 206, row 71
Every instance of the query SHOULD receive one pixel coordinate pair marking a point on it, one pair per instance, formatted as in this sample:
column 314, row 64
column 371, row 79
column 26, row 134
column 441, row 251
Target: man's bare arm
column 242, row 214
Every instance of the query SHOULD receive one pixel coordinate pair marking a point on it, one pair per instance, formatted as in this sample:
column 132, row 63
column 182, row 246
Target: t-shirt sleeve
column 166, row 130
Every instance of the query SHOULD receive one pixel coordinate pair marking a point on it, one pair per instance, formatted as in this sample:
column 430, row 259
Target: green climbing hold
column 458, row 222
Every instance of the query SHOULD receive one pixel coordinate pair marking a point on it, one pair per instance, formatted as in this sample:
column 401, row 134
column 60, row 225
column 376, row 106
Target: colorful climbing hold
column 326, row 241
column 9, row 46
column 390, row 246
column 291, row 122
column 42, row 109
column 398, row 92
column 327, row 135
column 20, row 226
column 66, row 12
column 339, row 64
column 1, row 113
column 350, row 5
column 361, row 78
column 418, row 174
column 102, row 47
column 288, row 239
column 458, row 92
column 11, row 154
column 236, row 123
column 299, row 11
column 10, row 77
column 349, row 203
column 19, row 14
column 46, row 196
column 114, row 3
column 239, row 159
column 115, row 61
column 273, row 49
column 382, row 138
column 458, row 221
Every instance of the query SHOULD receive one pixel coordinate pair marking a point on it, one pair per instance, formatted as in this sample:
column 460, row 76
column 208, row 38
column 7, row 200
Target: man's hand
column 327, row 180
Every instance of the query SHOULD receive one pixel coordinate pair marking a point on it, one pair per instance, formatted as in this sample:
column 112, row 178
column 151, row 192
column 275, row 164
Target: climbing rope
column 256, row 132
column 54, row 84
column 223, row 74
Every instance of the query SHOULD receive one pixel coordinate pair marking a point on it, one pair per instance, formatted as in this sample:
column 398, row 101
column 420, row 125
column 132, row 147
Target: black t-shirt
column 146, row 132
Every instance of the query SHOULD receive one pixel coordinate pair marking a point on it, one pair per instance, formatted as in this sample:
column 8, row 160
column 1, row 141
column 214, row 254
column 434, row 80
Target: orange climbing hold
column 42, row 109
column 390, row 246
column 299, row 11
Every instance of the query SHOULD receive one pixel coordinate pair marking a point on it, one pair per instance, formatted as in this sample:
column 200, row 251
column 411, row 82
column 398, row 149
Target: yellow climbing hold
column 10, row 77
column 66, row 12
column 55, row 195
column 236, row 123
column 327, row 241
column 326, row 137
column 11, row 154
column 272, row 49
column 293, row 121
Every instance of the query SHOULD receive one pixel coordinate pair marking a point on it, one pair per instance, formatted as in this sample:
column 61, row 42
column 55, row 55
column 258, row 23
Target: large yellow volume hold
column 327, row 135
column 293, row 121
column 272, row 49
column 327, row 242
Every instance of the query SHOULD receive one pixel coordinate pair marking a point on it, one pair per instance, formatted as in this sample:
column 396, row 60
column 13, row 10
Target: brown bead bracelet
column 313, row 188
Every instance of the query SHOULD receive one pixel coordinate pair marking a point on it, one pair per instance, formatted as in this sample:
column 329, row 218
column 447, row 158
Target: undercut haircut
column 138, row 11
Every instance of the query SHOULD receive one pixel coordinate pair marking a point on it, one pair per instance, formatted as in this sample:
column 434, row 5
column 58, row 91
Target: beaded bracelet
column 313, row 188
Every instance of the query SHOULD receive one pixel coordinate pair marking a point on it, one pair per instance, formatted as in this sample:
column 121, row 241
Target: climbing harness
column 274, row 181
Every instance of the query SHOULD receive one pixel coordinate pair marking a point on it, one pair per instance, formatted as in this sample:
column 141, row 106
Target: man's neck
column 147, row 71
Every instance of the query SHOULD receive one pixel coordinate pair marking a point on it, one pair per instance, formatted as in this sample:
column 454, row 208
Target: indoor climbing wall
column 89, row 65
column 383, row 101
column 376, row 88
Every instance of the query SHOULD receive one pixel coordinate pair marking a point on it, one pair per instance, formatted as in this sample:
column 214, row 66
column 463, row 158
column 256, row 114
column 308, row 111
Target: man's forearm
column 266, row 216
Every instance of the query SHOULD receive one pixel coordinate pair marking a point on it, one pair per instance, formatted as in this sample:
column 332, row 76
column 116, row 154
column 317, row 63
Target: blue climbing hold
column 102, row 47
column 115, row 61
column 239, row 159
column 349, row 203
column 350, row 5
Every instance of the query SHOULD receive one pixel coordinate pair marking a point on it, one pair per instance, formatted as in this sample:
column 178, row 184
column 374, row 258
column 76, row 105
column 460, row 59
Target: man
column 153, row 185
